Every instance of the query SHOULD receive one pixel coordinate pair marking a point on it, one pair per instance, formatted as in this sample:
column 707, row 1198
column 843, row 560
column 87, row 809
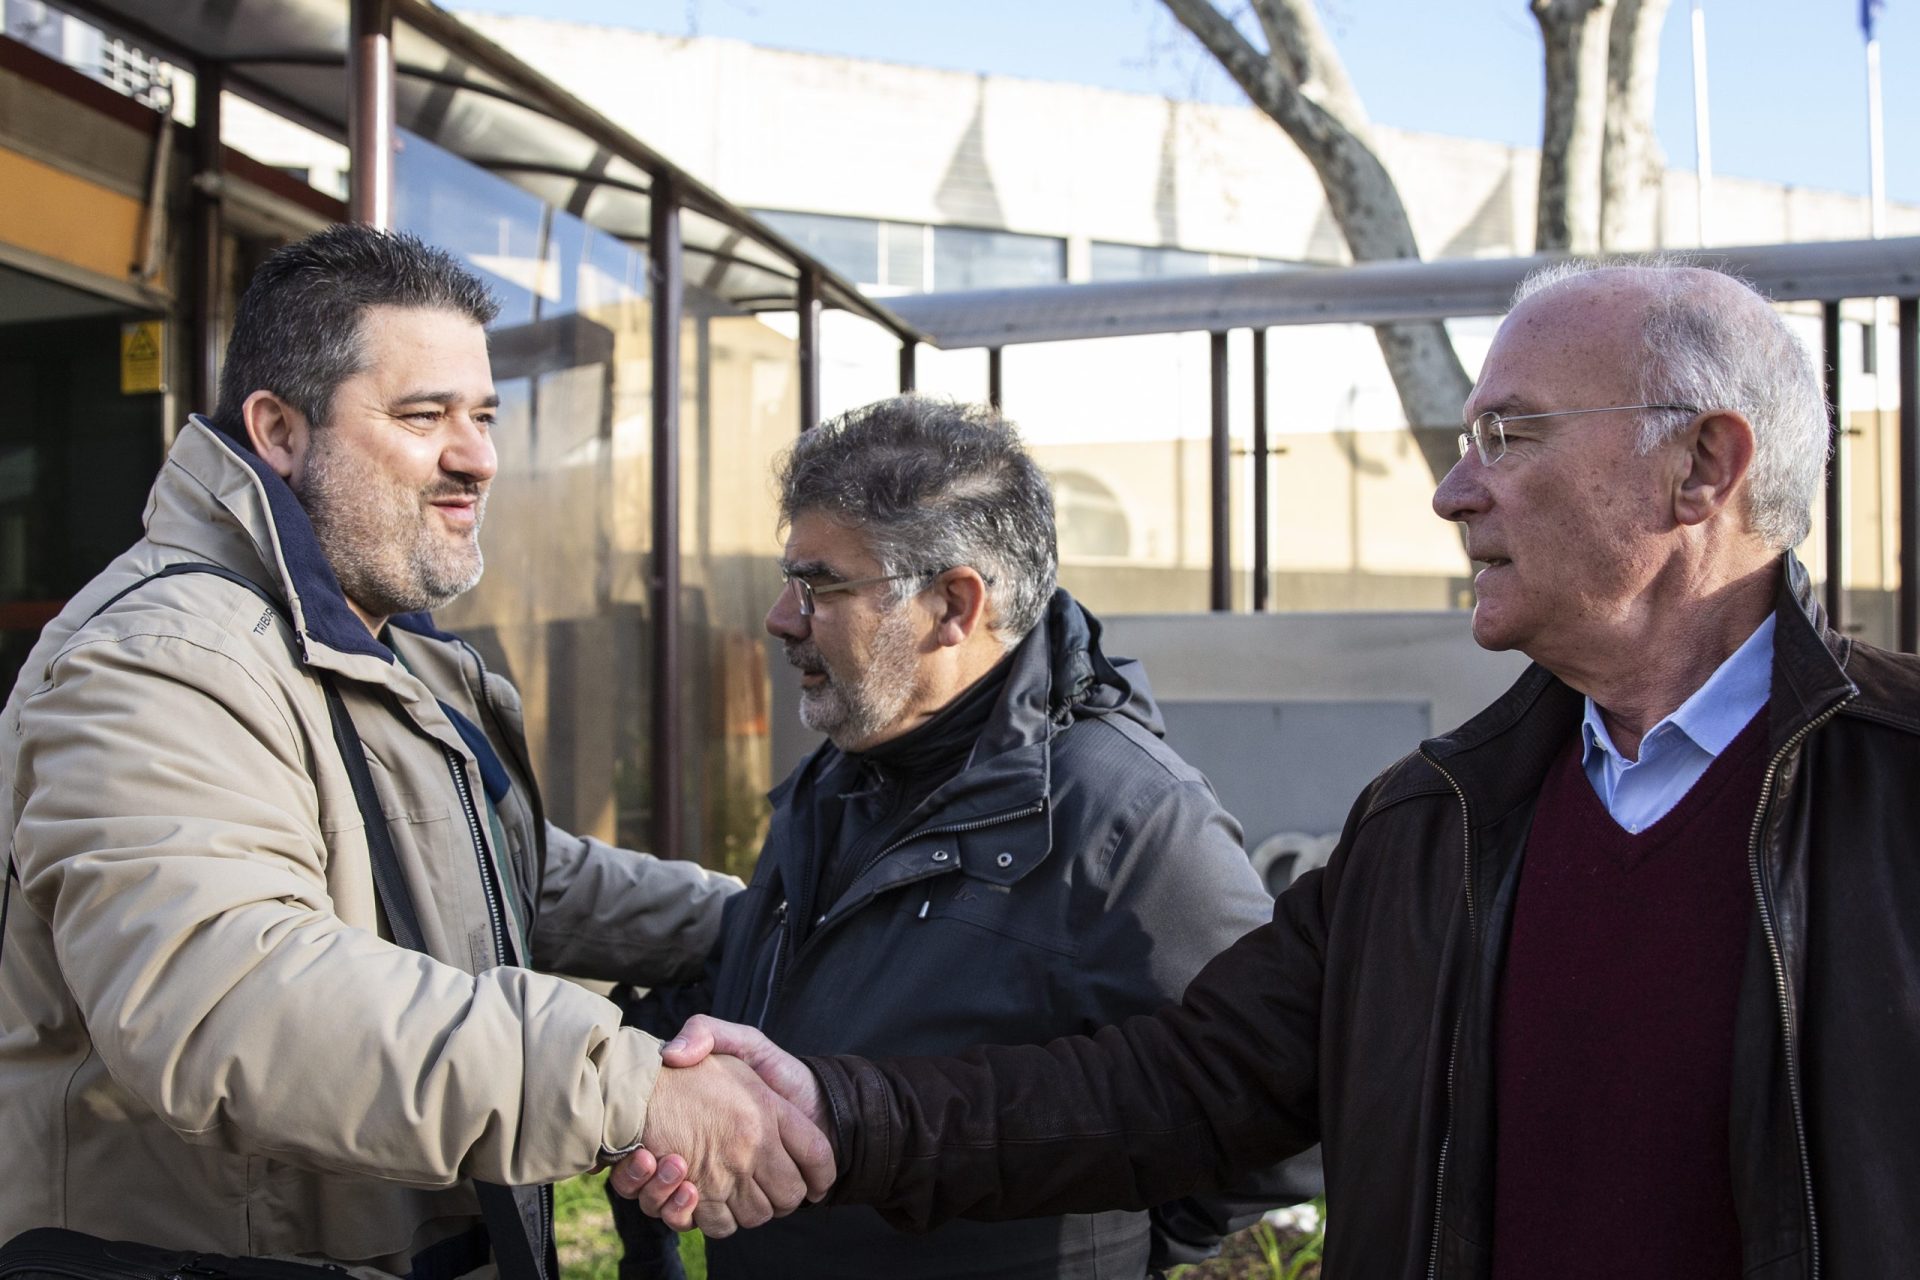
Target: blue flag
column 1869, row 15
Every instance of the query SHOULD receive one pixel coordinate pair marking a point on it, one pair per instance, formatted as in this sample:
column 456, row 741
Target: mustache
column 474, row 489
column 804, row 655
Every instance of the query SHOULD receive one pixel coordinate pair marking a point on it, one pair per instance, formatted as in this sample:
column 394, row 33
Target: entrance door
column 76, row 455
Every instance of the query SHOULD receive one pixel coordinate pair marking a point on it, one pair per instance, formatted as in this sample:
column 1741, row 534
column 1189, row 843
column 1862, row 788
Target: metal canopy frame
column 1366, row 293
column 359, row 70
column 1384, row 292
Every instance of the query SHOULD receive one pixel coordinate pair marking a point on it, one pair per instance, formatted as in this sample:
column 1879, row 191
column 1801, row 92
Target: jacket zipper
column 773, row 961
column 1453, row 1051
column 488, row 884
column 1768, row 926
column 783, row 950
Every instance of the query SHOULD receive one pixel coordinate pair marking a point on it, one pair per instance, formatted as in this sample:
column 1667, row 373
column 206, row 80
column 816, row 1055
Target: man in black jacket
column 994, row 843
column 1615, row 979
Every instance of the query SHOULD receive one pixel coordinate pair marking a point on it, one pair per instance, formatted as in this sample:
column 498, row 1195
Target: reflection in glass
column 564, row 608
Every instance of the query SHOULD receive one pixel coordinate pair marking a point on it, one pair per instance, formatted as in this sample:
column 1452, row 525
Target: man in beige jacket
column 209, row 1038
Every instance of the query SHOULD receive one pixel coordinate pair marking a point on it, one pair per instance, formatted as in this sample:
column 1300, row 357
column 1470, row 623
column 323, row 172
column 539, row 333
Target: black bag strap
column 515, row 1254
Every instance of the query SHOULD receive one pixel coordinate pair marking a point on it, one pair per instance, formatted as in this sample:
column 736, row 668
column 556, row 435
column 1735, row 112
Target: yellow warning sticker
column 143, row 365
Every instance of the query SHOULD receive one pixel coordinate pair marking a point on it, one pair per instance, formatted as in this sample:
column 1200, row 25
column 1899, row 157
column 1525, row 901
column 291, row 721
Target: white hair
column 1705, row 346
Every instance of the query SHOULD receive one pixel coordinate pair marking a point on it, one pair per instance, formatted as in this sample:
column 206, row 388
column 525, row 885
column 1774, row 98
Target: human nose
column 785, row 619
column 1460, row 492
column 470, row 451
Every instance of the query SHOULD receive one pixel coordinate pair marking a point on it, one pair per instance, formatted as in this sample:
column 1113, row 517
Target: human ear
column 1719, row 451
column 277, row 431
column 960, row 604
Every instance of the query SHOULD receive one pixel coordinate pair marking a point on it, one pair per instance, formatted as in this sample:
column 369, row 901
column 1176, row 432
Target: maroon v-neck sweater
column 1614, row 1046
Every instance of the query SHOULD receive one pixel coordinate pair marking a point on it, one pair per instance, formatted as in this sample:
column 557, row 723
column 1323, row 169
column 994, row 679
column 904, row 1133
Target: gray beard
column 852, row 711
column 385, row 557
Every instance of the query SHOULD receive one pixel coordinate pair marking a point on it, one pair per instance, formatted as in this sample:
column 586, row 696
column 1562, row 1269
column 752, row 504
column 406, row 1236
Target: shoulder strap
column 515, row 1254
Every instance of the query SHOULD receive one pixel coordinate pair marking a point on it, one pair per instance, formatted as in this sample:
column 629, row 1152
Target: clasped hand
column 734, row 1134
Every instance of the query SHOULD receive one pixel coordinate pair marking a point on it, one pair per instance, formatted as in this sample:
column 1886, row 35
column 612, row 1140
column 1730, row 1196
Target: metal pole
column 1836, row 472
column 808, row 305
column 1702, row 144
column 207, row 218
column 1220, row 568
column 994, row 374
column 370, row 113
column 908, row 350
column 665, row 276
column 1261, row 569
column 1909, row 339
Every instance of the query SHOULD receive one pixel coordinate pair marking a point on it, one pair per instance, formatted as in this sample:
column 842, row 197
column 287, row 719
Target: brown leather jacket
column 1362, row 1014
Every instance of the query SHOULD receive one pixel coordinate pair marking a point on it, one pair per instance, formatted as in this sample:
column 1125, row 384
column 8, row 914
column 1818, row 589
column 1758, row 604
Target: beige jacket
column 205, row 1040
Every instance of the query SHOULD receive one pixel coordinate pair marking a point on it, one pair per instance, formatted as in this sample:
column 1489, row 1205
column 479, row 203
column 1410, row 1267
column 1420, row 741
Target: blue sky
column 1786, row 78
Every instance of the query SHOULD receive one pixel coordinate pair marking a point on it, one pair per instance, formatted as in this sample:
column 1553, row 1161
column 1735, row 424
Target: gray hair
column 933, row 484
column 1707, row 346
column 297, row 329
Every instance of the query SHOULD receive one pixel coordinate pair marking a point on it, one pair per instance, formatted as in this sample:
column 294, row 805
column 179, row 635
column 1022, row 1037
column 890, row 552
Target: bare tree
column 1597, row 158
column 1630, row 161
column 1575, row 34
column 1303, row 86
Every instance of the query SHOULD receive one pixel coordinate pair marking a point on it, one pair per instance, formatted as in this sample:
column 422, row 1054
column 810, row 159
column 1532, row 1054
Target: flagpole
column 1702, row 144
column 1876, row 225
column 1876, row 143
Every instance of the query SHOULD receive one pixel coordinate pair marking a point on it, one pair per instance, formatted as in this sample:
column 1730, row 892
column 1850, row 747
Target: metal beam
column 807, row 303
column 1836, row 525
column 1909, row 338
column 1262, row 455
column 1365, row 293
column 208, row 212
column 995, row 375
column 664, row 587
column 909, row 349
column 1219, row 565
column 370, row 121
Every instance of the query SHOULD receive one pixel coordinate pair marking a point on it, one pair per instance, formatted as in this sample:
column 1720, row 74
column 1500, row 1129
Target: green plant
column 589, row 1247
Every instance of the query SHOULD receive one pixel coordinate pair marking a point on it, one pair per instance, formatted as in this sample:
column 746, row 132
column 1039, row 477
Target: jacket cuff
column 627, row 1074
column 859, row 1136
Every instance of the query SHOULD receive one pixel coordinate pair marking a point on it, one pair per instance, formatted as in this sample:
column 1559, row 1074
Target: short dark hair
column 297, row 330
column 933, row 484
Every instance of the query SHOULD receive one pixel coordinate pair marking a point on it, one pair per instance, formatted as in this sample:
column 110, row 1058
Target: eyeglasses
column 807, row 591
column 1488, row 432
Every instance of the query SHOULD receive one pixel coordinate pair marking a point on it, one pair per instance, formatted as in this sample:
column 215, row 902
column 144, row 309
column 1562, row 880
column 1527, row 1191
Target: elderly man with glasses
column 1615, row 979
column 994, row 843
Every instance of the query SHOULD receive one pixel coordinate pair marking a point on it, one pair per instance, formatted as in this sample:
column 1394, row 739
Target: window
column 848, row 246
column 969, row 258
column 1141, row 262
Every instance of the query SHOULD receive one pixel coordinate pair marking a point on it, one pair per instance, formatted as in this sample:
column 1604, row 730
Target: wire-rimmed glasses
column 1487, row 434
column 807, row 590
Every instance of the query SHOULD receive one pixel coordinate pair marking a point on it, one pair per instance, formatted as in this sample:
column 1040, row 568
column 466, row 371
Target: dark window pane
column 968, row 258
column 1140, row 262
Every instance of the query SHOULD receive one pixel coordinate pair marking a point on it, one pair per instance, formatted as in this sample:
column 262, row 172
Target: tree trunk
column 1576, row 34
column 1302, row 85
column 1630, row 160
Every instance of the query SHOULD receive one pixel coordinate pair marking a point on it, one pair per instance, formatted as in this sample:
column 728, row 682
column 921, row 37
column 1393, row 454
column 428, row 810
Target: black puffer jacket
column 1362, row 1015
column 1076, row 872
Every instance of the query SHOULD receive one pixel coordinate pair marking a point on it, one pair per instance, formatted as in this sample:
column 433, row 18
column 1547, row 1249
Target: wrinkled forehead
column 1575, row 344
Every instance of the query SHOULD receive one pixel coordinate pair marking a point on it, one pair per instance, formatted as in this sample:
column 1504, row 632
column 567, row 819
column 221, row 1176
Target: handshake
column 735, row 1133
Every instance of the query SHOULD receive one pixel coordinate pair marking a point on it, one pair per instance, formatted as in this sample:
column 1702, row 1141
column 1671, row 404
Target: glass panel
column 740, row 407
column 968, row 258
column 562, row 610
column 849, row 246
column 492, row 224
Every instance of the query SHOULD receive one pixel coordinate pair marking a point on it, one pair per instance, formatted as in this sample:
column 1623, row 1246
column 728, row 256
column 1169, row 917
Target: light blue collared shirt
column 1675, row 752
